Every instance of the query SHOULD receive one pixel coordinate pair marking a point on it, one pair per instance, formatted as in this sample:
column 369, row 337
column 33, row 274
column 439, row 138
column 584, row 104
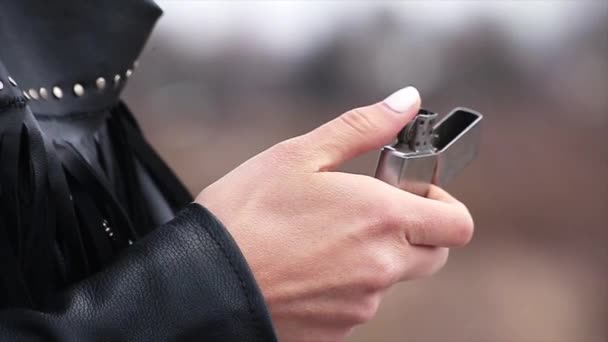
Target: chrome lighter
column 427, row 153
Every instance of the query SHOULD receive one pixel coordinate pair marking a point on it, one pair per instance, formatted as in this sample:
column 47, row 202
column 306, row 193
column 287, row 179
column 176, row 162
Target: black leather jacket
column 98, row 241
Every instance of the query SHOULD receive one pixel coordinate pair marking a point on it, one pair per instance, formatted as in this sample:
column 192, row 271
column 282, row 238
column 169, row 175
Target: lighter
column 427, row 153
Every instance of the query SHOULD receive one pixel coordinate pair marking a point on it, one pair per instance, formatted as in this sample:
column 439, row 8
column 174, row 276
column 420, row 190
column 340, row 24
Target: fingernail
column 403, row 99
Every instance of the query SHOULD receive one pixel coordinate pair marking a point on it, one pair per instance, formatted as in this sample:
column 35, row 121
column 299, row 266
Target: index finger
column 439, row 220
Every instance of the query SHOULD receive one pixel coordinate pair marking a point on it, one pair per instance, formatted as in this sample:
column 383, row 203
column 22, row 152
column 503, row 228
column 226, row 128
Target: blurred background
column 220, row 82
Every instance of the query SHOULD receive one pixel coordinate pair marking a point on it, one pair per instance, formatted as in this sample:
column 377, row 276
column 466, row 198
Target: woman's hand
column 325, row 246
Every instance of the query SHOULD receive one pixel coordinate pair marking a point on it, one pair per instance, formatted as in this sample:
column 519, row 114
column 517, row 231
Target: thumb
column 362, row 129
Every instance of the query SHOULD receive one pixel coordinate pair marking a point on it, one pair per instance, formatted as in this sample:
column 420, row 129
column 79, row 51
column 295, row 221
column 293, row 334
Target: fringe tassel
column 169, row 185
column 56, row 208
column 25, row 209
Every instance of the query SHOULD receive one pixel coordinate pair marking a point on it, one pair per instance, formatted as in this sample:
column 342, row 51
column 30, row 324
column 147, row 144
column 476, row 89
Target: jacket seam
column 71, row 116
column 244, row 287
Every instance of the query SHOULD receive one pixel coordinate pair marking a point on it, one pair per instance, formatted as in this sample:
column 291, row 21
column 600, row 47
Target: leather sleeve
column 186, row 281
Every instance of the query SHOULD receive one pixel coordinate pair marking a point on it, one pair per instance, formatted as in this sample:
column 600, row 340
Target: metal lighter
column 427, row 153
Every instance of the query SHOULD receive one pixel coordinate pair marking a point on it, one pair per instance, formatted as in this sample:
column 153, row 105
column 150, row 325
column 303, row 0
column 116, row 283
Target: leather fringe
column 56, row 208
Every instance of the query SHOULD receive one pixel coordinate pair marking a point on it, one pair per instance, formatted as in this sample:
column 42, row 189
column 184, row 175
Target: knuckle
column 373, row 211
column 417, row 234
column 378, row 216
column 383, row 275
column 380, row 219
column 358, row 120
column 415, row 229
column 386, row 214
column 392, row 215
column 366, row 311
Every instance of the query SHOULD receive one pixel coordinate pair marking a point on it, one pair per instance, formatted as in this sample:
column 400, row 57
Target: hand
column 324, row 246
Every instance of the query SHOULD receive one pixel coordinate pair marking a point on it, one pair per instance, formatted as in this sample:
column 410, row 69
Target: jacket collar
column 72, row 56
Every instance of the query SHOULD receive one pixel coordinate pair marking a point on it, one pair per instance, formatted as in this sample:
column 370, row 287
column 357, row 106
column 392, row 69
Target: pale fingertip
column 403, row 100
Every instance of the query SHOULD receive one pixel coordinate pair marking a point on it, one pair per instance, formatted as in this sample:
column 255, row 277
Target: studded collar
column 71, row 56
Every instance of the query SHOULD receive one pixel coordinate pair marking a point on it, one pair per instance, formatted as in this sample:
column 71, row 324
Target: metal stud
column 78, row 89
column 101, row 83
column 116, row 80
column 57, row 92
column 1, row 85
column 34, row 94
column 44, row 93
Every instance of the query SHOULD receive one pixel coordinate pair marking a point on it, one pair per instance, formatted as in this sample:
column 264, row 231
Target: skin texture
column 323, row 245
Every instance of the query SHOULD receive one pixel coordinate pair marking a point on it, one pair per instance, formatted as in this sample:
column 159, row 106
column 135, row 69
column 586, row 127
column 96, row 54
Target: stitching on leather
column 12, row 102
column 21, row 102
column 72, row 116
column 241, row 280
